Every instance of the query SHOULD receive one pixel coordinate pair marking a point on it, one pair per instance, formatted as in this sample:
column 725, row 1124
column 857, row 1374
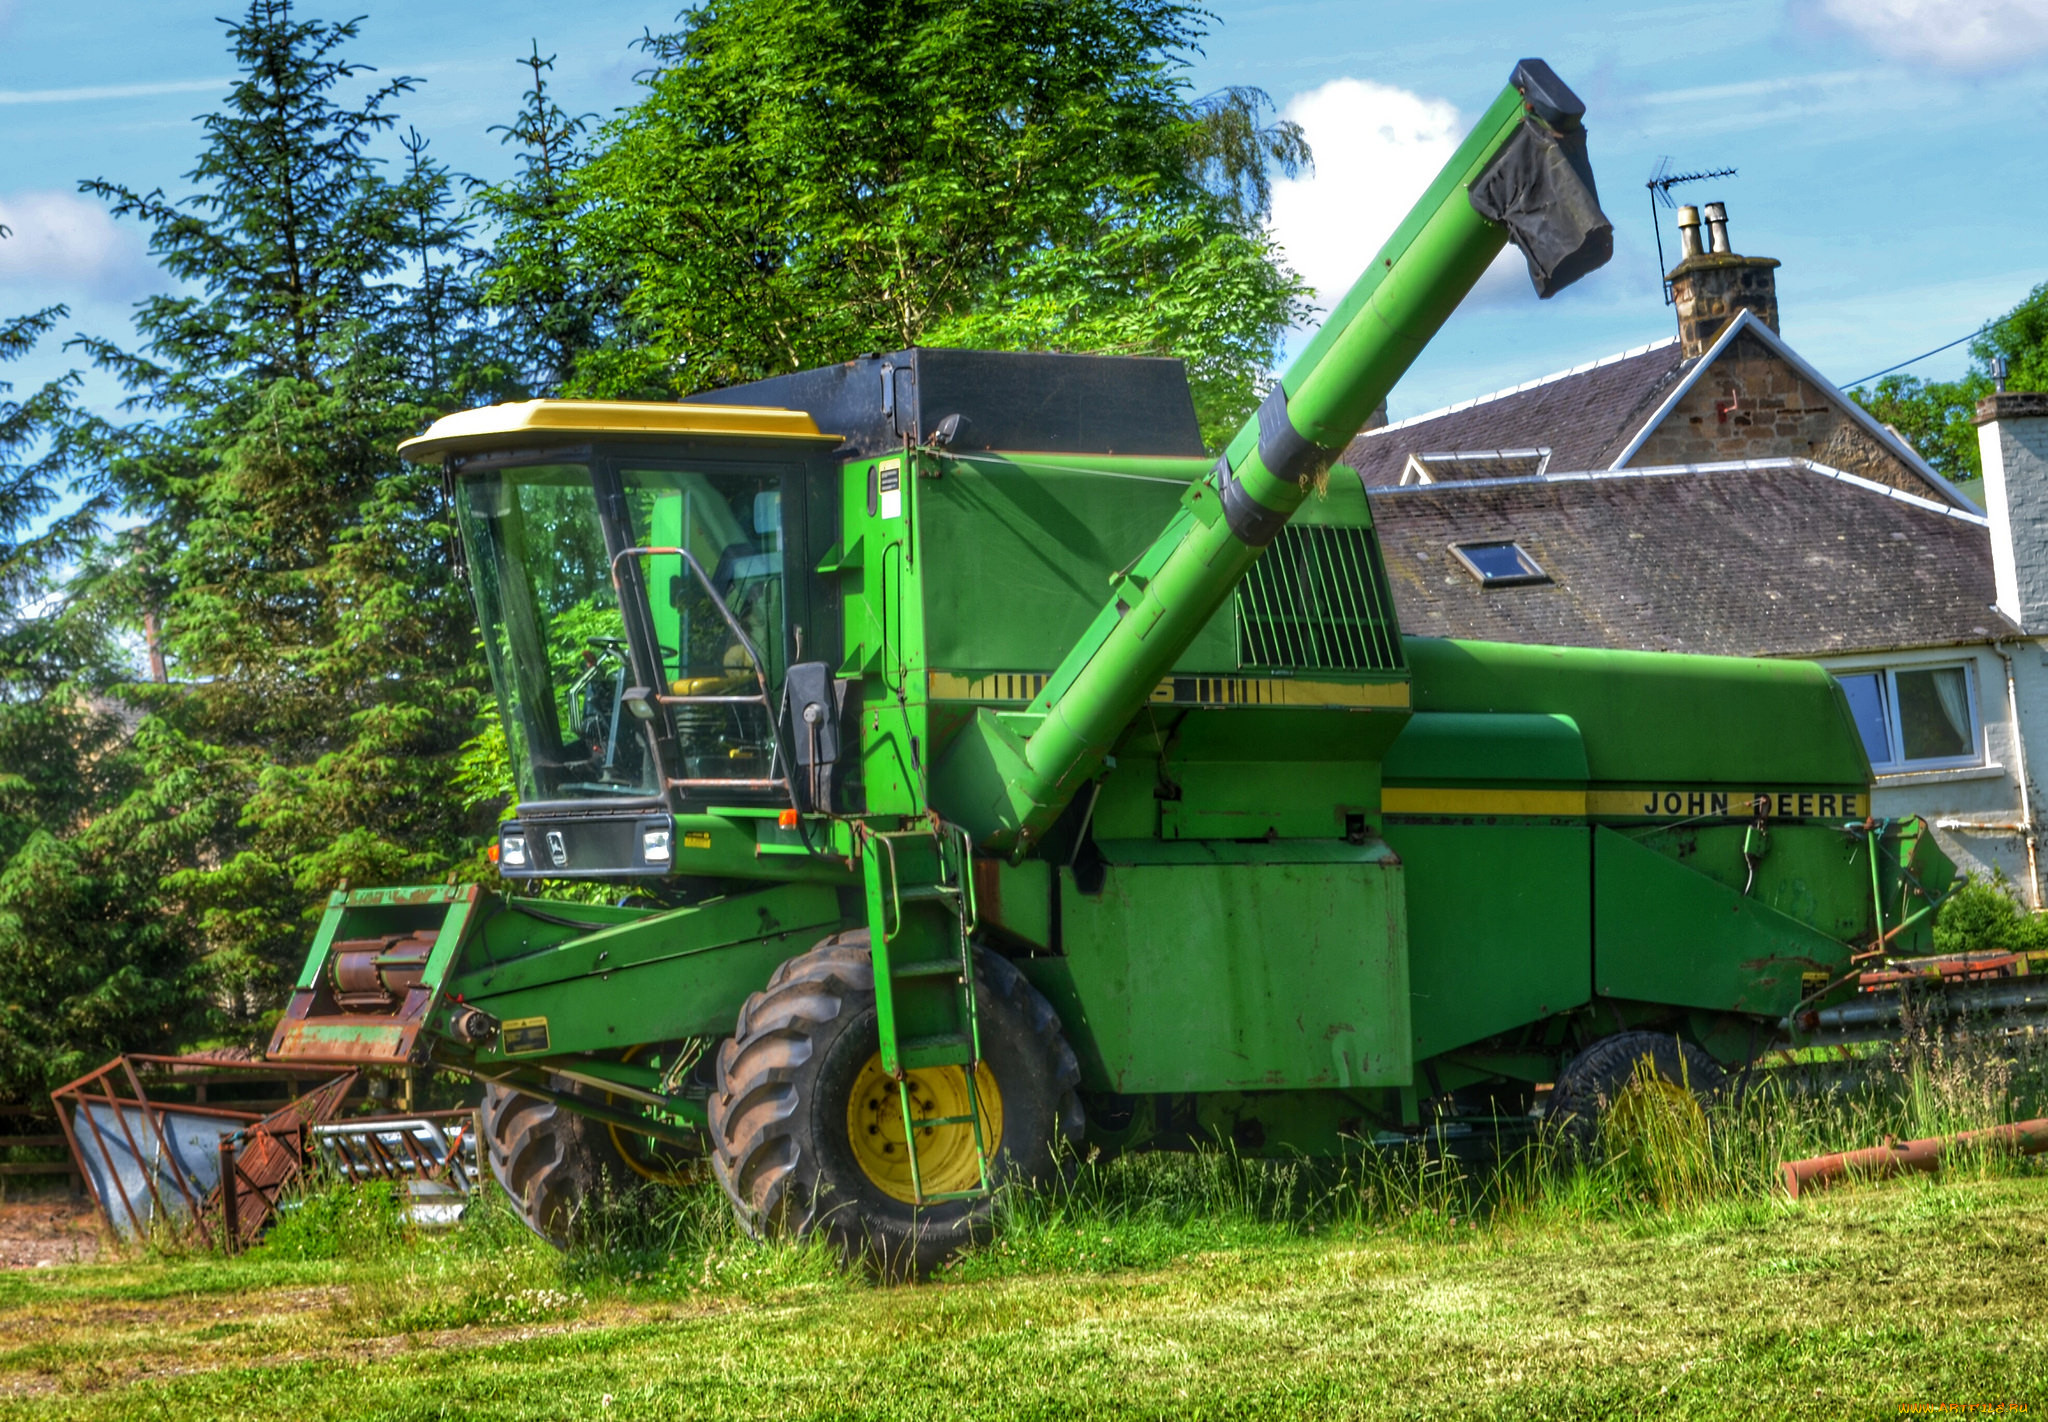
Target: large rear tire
column 806, row 1133
column 1610, row 1075
column 553, row 1164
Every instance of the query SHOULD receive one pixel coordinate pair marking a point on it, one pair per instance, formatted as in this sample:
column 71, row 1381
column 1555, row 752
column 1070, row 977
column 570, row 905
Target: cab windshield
column 562, row 650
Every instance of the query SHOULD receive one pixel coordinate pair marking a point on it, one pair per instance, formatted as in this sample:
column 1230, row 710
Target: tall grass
column 1664, row 1161
column 1654, row 1167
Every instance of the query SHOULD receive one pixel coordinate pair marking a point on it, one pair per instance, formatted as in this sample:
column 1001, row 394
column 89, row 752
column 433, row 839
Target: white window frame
column 1895, row 733
column 1422, row 468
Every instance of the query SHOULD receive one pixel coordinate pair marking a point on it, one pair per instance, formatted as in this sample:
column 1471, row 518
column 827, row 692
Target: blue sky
column 1889, row 150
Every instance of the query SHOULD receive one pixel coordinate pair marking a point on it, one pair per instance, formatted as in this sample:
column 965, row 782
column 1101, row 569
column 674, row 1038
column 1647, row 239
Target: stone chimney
column 1710, row 283
column 2012, row 436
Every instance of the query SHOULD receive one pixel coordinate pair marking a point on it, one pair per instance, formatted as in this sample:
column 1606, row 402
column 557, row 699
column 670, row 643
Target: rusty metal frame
column 119, row 1088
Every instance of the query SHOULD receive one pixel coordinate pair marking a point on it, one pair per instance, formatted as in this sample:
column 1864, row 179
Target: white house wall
column 1986, row 795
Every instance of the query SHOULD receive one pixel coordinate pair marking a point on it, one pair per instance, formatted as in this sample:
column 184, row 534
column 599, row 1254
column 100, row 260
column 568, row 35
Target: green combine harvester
column 988, row 774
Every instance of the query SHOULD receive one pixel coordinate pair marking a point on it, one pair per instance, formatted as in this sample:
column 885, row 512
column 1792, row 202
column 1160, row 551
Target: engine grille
column 1318, row 599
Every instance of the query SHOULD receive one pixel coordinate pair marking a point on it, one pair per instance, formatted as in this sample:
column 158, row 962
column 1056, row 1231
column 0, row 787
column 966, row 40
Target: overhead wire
column 1985, row 329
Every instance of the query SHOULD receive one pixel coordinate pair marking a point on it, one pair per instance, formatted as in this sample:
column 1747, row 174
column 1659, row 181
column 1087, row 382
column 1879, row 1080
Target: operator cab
column 642, row 577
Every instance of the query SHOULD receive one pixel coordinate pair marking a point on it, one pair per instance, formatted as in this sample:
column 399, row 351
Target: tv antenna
column 1662, row 181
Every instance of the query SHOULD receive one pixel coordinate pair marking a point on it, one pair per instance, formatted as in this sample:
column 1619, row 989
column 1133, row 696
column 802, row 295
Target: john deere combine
column 986, row 771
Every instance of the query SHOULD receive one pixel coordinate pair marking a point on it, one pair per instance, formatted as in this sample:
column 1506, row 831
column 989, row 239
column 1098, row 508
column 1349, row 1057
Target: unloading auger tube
column 1521, row 176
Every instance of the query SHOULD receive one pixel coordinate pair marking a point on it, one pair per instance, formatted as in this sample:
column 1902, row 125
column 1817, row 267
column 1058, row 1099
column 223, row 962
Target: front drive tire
column 799, row 1080
column 554, row 1164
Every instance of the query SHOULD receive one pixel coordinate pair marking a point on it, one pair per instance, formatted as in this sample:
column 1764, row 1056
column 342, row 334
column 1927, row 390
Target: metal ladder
column 938, row 878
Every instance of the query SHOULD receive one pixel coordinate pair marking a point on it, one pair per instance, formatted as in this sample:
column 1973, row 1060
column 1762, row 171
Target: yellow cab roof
column 557, row 419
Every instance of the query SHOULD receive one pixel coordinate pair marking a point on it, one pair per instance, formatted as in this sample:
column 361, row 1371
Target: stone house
column 1715, row 493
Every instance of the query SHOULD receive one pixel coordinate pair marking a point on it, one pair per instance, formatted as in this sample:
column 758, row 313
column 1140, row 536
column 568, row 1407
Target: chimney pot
column 1709, row 288
column 1688, row 232
column 1717, row 228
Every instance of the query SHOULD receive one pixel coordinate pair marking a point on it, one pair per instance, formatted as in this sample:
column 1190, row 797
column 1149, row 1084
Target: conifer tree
column 555, row 298
column 41, row 788
column 320, row 649
column 89, row 963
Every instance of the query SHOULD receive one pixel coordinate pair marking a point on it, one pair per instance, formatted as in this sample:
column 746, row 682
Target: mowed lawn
column 1865, row 1302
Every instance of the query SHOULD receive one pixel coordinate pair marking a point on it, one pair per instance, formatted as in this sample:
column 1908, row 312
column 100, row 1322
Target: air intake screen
column 1319, row 600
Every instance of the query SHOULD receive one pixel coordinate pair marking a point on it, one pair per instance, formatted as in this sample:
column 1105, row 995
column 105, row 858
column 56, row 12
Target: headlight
column 654, row 846
column 512, row 852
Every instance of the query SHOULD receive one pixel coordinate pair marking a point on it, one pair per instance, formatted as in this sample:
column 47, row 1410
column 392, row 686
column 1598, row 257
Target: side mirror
column 814, row 698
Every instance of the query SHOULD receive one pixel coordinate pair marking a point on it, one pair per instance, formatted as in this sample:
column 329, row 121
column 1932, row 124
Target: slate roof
column 1767, row 558
column 1586, row 415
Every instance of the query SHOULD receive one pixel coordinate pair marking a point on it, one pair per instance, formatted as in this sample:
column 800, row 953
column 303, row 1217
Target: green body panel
column 1498, row 748
column 879, row 571
column 1016, row 901
column 1252, row 774
column 1663, row 933
column 1658, row 716
column 1002, row 533
column 677, row 974
column 1268, row 799
column 1809, row 870
column 1499, row 920
column 746, row 843
column 1218, row 966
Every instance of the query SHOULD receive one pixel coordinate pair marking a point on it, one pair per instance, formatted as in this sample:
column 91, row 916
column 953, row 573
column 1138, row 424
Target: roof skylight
column 1500, row 564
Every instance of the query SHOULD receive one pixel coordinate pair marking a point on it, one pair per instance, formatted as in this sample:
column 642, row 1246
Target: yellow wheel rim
column 946, row 1159
column 650, row 1157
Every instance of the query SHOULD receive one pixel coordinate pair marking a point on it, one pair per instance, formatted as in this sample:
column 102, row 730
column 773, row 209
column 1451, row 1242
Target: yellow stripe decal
column 1650, row 802
column 1186, row 690
column 1692, row 802
column 1401, row 800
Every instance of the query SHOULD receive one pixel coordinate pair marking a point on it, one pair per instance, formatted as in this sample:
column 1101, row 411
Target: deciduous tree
column 803, row 180
column 1937, row 417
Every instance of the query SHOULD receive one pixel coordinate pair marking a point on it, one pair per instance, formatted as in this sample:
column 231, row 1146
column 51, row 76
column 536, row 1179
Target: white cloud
column 1967, row 35
column 1376, row 149
column 62, row 245
column 85, row 93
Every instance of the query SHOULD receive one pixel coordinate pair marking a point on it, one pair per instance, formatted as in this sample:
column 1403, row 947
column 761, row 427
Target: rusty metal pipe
column 1900, row 1157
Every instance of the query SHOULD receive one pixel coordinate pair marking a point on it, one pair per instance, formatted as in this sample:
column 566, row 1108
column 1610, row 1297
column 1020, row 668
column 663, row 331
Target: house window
column 1499, row 565
column 1915, row 718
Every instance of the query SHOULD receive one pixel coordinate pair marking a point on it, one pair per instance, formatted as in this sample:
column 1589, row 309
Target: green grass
column 1660, row 1275
column 1862, row 1300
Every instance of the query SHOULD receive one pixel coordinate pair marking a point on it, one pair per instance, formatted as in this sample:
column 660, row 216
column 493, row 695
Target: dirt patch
column 55, row 1229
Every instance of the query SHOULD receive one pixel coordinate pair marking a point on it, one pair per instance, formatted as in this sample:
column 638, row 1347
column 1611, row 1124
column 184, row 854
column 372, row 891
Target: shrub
column 1983, row 917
